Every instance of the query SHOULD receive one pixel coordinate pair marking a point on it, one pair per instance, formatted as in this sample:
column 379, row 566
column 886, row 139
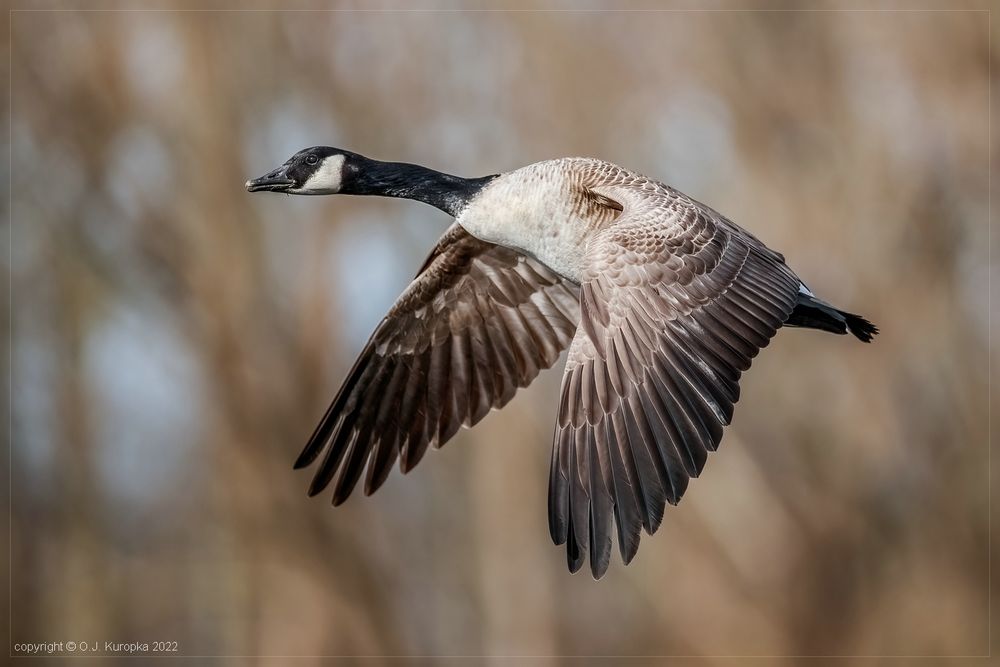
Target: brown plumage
column 477, row 323
column 669, row 323
column 662, row 301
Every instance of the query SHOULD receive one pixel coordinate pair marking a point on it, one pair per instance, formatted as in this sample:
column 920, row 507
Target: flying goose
column 662, row 302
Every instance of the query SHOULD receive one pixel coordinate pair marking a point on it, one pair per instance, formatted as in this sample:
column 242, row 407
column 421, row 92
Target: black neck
column 410, row 181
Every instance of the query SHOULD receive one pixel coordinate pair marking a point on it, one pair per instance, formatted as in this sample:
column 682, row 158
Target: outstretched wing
column 478, row 322
column 675, row 304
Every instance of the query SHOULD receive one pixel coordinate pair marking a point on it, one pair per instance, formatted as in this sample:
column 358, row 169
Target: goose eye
column 312, row 159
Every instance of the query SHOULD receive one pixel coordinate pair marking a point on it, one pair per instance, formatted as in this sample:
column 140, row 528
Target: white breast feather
column 532, row 210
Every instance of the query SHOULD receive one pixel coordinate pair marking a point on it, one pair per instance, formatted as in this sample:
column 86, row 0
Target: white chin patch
column 325, row 180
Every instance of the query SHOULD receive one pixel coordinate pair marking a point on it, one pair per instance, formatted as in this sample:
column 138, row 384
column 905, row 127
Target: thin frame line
column 831, row 10
column 10, row 325
column 989, row 336
column 513, row 10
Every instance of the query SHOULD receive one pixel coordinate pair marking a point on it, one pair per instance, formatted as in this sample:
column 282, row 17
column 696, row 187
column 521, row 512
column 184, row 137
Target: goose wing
column 675, row 302
column 478, row 322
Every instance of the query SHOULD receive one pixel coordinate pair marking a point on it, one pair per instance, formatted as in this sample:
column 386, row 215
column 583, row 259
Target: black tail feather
column 864, row 330
column 811, row 313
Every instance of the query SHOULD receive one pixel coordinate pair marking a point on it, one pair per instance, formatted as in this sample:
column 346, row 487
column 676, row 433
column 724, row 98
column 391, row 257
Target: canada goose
column 661, row 300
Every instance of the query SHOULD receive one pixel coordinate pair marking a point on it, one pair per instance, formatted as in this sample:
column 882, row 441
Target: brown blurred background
column 174, row 340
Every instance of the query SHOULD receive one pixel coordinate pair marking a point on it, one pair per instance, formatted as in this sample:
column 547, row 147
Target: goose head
column 322, row 170
column 319, row 170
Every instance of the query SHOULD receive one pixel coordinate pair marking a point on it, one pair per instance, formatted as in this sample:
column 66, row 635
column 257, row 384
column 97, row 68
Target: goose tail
column 813, row 313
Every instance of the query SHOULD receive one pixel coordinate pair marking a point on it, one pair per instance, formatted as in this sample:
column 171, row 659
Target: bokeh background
column 174, row 340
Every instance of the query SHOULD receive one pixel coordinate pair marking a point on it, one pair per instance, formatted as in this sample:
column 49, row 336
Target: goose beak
column 276, row 181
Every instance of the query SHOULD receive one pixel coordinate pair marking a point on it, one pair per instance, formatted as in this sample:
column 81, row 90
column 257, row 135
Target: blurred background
column 175, row 340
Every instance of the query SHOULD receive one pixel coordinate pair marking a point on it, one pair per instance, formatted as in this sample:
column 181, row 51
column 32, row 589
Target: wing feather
column 676, row 301
column 478, row 322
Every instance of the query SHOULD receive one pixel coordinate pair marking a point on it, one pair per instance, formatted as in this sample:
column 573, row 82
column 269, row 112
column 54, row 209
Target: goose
column 661, row 301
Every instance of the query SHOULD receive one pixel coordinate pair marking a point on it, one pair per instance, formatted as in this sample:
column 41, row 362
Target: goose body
column 661, row 302
column 544, row 210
